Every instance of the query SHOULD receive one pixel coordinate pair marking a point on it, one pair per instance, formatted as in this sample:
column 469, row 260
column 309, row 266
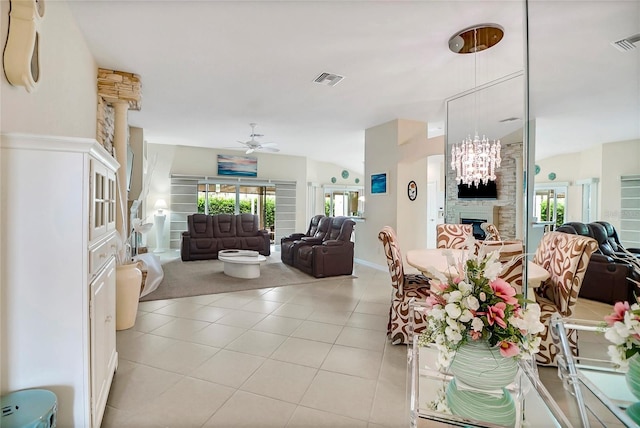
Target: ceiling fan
column 255, row 146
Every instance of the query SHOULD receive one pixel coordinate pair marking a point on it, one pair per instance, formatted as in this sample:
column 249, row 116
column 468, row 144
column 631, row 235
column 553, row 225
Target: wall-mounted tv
column 482, row 191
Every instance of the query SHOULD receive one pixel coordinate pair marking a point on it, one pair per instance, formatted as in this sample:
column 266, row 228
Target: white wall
column 618, row 159
column 401, row 148
column 65, row 100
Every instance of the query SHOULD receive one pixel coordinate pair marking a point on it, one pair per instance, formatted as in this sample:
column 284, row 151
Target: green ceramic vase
column 480, row 366
column 633, row 382
column 487, row 372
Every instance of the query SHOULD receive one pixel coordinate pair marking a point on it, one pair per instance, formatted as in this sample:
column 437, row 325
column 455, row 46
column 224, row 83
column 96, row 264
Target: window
column 343, row 202
column 549, row 203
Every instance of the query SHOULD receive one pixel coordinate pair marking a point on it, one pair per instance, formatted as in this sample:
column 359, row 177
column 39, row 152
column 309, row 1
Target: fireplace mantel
column 490, row 213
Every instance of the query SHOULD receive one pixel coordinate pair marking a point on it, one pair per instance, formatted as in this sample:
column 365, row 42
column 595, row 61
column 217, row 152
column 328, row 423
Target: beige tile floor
column 312, row 355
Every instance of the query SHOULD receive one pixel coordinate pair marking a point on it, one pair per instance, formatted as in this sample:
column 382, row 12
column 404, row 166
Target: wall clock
column 412, row 190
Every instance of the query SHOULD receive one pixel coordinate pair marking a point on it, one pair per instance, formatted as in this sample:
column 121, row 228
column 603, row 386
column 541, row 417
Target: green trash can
column 29, row 408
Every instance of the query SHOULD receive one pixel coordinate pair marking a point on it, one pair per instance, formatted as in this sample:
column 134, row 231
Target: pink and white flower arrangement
column 623, row 332
column 473, row 303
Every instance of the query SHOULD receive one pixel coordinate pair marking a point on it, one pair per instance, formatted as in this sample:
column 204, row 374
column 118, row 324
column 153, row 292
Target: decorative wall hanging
column 243, row 166
column 379, row 183
column 21, row 54
column 345, row 174
column 357, row 180
column 537, row 169
column 552, row 176
column 412, row 190
column 333, row 179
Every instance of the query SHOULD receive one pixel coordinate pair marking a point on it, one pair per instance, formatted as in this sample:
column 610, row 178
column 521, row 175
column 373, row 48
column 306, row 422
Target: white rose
column 453, row 310
column 477, row 324
column 455, row 296
column 472, row 303
column 617, row 335
column 453, row 335
column 465, row 288
column 466, row 316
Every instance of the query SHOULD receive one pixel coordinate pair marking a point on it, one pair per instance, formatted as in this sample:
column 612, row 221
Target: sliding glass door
column 226, row 198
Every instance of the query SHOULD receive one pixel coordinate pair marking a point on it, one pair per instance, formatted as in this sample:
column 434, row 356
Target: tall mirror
column 584, row 100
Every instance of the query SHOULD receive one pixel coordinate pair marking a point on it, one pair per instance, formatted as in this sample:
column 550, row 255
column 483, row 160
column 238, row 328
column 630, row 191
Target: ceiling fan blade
column 269, row 149
column 268, row 144
column 249, row 151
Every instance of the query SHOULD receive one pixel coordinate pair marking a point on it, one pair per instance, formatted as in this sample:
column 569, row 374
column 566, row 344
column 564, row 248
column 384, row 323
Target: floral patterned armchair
column 405, row 287
column 566, row 258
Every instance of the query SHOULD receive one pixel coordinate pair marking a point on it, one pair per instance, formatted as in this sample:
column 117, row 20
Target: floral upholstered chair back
column 565, row 257
column 453, row 236
column 406, row 287
column 511, row 256
column 394, row 258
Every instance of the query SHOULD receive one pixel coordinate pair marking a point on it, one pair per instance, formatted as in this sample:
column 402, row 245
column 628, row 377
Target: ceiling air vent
column 626, row 44
column 328, row 79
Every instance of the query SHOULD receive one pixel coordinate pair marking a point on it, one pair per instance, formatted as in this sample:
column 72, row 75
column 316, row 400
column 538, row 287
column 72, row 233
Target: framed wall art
column 239, row 166
column 379, row 183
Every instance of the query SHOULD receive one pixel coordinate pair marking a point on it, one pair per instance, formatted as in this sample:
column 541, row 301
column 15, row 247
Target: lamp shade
column 161, row 204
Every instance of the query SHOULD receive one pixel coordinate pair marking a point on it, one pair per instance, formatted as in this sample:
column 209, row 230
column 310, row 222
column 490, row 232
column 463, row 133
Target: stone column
column 120, row 138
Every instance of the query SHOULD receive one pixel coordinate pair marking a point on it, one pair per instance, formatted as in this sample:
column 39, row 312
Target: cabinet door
column 98, row 200
column 110, row 202
column 103, row 339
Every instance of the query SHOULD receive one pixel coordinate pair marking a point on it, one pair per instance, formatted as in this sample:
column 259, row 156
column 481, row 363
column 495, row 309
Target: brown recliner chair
column 333, row 256
column 198, row 242
column 606, row 279
column 614, row 241
column 250, row 235
column 287, row 242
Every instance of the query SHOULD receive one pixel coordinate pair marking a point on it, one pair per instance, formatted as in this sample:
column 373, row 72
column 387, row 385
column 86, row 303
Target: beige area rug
column 195, row 278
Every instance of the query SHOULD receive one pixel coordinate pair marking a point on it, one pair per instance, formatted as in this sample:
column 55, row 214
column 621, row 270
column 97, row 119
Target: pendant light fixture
column 476, row 159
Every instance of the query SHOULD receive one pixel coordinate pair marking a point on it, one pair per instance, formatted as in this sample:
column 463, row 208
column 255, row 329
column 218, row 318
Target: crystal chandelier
column 475, row 160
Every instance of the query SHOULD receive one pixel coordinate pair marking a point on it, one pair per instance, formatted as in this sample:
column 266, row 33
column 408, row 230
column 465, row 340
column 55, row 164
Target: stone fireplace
column 476, row 215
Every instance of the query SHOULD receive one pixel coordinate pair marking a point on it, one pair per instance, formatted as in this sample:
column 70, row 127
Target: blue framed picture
column 239, row 166
column 379, row 183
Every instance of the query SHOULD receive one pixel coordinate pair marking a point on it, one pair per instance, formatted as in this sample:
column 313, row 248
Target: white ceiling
column 209, row 68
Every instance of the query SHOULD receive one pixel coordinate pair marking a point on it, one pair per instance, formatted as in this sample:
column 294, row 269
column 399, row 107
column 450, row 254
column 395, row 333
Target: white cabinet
column 57, row 261
column 103, row 337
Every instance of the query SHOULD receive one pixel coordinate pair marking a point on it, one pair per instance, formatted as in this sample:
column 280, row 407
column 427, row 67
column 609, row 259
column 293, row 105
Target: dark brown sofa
column 208, row 234
column 330, row 255
column 287, row 243
column 608, row 277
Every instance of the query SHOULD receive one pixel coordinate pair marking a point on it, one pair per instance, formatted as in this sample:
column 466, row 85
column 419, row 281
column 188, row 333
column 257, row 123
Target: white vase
column 128, row 283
